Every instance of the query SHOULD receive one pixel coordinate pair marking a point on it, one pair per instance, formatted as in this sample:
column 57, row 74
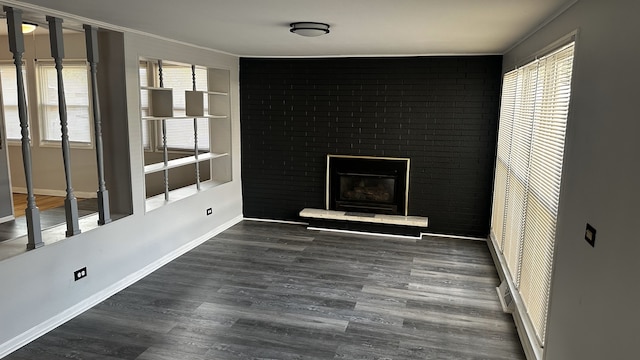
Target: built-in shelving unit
column 149, row 169
column 220, row 128
column 185, row 164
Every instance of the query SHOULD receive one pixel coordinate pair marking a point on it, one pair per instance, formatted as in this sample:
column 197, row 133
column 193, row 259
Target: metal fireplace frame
column 328, row 177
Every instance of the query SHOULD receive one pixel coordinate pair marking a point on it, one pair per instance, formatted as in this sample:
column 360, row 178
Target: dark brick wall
column 439, row 111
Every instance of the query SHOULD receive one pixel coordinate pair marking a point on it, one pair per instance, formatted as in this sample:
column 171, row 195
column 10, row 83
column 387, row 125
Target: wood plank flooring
column 44, row 202
column 276, row 291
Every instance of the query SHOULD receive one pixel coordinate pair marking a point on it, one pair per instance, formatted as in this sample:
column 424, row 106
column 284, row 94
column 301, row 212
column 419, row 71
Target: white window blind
column 10, row 100
column 143, row 72
column 528, row 175
column 507, row 108
column 76, row 89
column 180, row 133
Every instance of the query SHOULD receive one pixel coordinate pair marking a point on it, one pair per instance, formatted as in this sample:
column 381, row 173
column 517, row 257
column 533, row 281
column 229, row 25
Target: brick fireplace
column 439, row 111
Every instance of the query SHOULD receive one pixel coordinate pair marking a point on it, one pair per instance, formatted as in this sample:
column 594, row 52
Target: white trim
column 86, row 304
column 7, row 218
column 562, row 41
column 97, row 23
column 52, row 192
column 367, row 233
column 526, row 331
column 455, row 236
column 368, row 55
column 277, row 221
column 542, row 25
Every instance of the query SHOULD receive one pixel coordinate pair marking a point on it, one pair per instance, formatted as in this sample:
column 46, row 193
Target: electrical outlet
column 79, row 274
column 590, row 235
column 209, row 211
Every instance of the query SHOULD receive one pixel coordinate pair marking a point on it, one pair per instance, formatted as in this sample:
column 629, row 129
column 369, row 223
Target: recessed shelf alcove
column 206, row 161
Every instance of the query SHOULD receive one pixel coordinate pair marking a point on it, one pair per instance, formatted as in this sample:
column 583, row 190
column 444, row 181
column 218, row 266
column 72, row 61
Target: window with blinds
column 180, row 134
column 533, row 118
column 76, row 90
column 143, row 72
column 10, row 100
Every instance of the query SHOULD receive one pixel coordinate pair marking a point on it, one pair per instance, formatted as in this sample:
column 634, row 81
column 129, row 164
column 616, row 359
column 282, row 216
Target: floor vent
column 505, row 296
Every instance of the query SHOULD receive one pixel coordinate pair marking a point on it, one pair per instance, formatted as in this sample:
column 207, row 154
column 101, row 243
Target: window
column 180, row 132
column 10, row 100
column 533, row 118
column 143, row 72
column 76, row 89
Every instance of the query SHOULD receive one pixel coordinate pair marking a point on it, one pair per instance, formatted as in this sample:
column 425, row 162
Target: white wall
column 38, row 285
column 595, row 291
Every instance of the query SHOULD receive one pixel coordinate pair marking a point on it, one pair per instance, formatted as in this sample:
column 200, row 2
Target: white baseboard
column 277, row 221
column 57, row 320
column 526, row 332
column 52, row 192
column 7, row 218
column 454, row 236
column 370, row 233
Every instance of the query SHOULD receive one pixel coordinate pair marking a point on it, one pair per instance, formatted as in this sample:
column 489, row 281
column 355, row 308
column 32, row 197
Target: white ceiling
column 358, row 27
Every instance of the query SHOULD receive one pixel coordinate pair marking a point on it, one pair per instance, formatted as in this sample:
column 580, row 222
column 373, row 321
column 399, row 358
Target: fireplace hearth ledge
column 398, row 220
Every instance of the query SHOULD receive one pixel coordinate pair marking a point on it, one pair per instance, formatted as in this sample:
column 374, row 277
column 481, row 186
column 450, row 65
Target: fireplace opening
column 367, row 184
column 366, row 191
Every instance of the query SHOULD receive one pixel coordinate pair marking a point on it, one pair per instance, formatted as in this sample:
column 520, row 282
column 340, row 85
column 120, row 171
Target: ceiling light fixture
column 309, row 28
column 28, row 27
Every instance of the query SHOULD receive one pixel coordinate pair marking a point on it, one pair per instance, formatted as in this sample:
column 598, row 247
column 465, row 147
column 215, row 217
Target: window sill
column 72, row 145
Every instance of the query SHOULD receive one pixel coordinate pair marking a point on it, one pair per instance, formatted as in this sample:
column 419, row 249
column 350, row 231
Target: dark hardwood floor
column 275, row 291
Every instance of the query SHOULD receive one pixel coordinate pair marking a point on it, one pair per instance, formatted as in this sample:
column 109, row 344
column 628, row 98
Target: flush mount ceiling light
column 309, row 28
column 28, row 27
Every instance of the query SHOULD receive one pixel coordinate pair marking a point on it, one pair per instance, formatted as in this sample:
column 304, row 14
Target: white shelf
column 152, row 168
column 217, row 93
column 154, row 88
column 156, row 118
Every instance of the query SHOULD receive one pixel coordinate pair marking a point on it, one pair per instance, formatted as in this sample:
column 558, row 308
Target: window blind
column 180, row 131
column 518, row 170
column 144, row 102
column 76, row 89
column 507, row 107
column 10, row 100
column 528, row 175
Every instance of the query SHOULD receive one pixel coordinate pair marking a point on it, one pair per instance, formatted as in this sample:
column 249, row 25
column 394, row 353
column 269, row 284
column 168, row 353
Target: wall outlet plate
column 590, row 235
column 79, row 274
